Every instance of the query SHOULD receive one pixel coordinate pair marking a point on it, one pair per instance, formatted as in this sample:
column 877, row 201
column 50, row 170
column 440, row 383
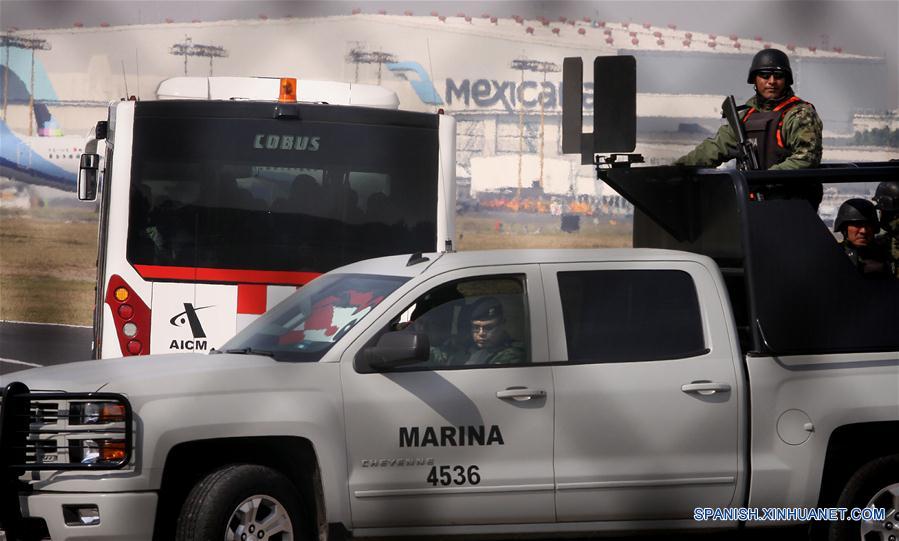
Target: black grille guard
column 21, row 417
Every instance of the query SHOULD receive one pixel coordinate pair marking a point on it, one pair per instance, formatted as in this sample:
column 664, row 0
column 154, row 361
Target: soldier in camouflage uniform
column 786, row 129
column 887, row 199
column 857, row 221
column 490, row 342
column 800, row 132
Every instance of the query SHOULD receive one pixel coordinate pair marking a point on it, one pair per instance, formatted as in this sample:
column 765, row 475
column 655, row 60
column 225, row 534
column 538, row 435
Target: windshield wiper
column 247, row 351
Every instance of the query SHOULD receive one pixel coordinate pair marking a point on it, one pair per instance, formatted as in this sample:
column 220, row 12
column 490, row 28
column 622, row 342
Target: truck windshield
column 246, row 191
column 308, row 323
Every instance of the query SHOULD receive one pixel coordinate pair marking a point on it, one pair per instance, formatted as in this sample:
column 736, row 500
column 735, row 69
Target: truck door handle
column 520, row 393
column 705, row 387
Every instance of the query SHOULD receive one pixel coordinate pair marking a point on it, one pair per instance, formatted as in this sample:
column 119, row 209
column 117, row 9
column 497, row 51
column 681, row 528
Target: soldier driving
column 491, row 342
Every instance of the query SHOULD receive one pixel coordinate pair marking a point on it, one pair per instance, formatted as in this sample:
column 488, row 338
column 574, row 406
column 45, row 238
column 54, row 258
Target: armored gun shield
column 614, row 107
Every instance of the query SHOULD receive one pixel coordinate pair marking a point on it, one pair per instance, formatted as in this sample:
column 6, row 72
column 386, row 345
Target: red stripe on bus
column 251, row 298
column 232, row 276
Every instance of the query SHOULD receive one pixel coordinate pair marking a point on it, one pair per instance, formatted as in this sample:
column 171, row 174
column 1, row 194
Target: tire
column 242, row 502
column 876, row 484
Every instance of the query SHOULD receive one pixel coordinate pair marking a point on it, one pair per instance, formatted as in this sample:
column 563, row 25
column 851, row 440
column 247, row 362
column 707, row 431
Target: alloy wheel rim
column 259, row 518
column 887, row 529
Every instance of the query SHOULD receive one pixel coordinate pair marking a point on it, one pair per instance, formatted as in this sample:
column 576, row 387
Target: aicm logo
column 189, row 317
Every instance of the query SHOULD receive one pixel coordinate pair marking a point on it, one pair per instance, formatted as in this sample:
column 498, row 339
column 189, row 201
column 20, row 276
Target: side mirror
column 393, row 350
column 88, row 174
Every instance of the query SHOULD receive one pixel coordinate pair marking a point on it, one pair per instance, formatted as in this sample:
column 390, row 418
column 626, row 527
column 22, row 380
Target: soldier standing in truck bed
column 887, row 199
column 786, row 129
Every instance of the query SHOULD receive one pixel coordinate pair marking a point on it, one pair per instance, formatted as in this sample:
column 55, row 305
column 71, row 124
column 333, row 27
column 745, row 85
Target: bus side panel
column 118, row 182
column 250, row 309
column 99, row 315
column 193, row 317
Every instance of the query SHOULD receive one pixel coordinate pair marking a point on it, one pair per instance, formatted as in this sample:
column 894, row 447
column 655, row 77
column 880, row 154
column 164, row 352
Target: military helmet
column 887, row 196
column 770, row 59
column 854, row 211
column 487, row 308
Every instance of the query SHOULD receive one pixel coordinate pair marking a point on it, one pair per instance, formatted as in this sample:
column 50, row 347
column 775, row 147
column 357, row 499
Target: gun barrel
column 747, row 157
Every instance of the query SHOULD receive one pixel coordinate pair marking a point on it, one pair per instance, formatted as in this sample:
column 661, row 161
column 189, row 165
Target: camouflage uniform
column 507, row 351
column 447, row 354
column 893, row 252
column 801, row 134
column 872, row 261
column 890, row 240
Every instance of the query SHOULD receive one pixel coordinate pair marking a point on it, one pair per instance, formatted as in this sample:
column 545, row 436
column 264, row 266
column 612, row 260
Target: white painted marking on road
column 50, row 324
column 13, row 361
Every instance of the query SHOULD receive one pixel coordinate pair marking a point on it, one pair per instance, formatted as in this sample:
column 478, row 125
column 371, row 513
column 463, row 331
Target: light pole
column 358, row 55
column 536, row 66
column 34, row 44
column 188, row 48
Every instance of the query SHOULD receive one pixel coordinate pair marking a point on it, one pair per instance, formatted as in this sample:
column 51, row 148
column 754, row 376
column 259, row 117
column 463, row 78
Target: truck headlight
column 100, row 452
column 92, row 413
column 53, row 430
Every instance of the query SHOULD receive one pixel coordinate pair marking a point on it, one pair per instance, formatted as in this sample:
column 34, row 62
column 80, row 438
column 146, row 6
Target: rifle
column 747, row 152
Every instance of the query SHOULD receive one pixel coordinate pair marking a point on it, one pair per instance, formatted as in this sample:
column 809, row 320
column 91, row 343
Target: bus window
column 248, row 198
column 367, row 184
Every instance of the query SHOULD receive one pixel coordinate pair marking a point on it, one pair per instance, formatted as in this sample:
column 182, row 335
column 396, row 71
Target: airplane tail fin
column 47, row 125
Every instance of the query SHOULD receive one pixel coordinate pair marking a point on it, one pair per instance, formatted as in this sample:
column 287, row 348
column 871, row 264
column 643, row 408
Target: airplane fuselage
column 48, row 161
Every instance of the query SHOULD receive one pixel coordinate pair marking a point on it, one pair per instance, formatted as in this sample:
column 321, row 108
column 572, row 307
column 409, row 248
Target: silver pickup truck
column 553, row 391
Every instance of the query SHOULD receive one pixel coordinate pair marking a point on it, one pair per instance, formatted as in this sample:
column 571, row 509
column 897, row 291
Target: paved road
column 23, row 345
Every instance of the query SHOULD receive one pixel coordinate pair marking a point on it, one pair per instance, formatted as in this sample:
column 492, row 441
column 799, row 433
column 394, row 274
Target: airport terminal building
column 500, row 78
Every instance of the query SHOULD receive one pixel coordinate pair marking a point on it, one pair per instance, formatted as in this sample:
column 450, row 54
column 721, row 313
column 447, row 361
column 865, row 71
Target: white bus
column 223, row 196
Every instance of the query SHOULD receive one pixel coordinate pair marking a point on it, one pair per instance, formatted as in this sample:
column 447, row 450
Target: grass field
column 48, row 256
column 47, row 265
column 499, row 230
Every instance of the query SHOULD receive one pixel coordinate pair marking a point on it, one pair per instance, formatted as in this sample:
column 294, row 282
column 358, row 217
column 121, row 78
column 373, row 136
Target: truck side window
column 473, row 322
column 630, row 315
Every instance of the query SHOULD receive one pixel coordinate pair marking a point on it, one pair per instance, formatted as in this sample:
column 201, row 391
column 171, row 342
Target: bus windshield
column 249, row 191
column 308, row 323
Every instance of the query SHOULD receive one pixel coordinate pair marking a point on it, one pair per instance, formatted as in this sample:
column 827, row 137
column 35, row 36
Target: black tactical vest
column 765, row 128
column 871, row 261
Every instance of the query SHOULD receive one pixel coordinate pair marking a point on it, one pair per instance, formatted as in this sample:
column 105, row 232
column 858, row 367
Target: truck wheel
column 876, row 484
column 242, row 502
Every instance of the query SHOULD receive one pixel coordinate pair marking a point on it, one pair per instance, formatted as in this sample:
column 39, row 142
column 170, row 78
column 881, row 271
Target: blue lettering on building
column 489, row 93
column 460, row 92
column 485, row 93
column 423, row 86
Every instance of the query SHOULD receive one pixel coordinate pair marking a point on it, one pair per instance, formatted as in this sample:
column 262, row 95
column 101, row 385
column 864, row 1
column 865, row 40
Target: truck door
column 648, row 400
column 466, row 437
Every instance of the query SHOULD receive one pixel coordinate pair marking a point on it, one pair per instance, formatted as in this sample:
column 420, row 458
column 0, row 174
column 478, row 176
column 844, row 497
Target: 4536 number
column 454, row 475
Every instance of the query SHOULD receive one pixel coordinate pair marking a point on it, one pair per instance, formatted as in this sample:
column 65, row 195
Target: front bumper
column 57, row 431
column 124, row 516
